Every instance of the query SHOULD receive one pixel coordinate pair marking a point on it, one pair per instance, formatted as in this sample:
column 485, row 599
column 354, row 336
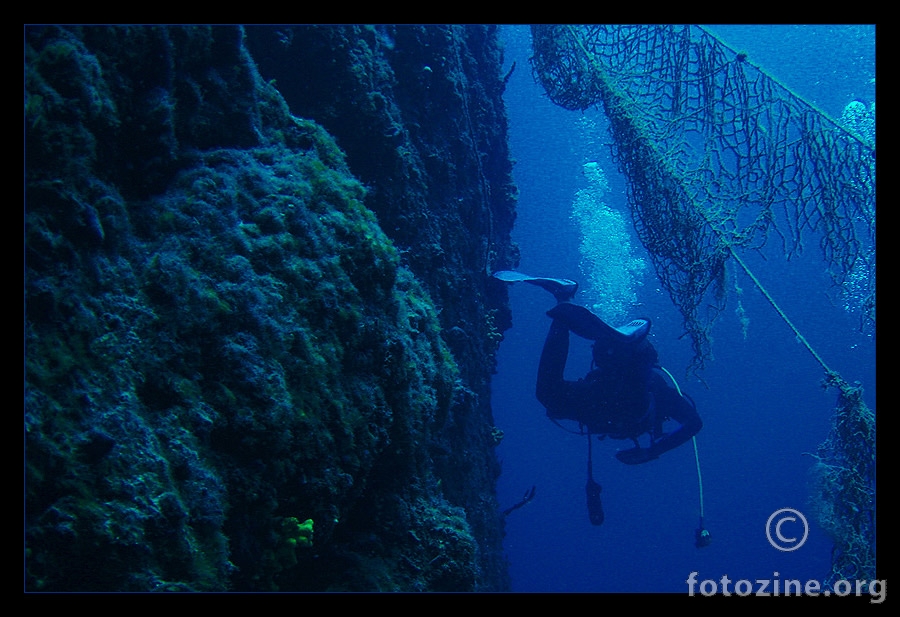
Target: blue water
column 763, row 407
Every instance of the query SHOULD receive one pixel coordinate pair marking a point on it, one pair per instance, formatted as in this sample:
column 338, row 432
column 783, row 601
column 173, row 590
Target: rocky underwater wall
column 259, row 332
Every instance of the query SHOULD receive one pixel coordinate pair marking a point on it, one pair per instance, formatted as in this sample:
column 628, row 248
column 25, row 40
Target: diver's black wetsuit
column 623, row 397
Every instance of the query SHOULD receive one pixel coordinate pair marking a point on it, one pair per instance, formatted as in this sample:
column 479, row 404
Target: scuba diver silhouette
column 621, row 397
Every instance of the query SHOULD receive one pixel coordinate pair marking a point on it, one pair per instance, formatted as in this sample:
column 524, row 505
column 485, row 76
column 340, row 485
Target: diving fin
column 511, row 276
column 562, row 289
column 587, row 325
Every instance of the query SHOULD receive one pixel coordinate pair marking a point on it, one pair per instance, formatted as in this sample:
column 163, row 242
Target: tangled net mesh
column 721, row 159
column 843, row 494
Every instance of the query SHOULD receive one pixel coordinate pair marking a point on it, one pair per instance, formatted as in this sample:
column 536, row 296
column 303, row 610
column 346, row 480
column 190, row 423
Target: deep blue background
column 763, row 407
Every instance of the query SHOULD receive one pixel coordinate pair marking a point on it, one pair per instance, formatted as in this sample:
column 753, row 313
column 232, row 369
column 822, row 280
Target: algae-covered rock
column 219, row 337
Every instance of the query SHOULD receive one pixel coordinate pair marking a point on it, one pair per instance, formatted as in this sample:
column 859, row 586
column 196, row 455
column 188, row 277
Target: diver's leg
column 562, row 289
column 550, row 383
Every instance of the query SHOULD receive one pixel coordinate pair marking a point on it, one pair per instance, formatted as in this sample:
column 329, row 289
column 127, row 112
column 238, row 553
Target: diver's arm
column 690, row 425
column 682, row 411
